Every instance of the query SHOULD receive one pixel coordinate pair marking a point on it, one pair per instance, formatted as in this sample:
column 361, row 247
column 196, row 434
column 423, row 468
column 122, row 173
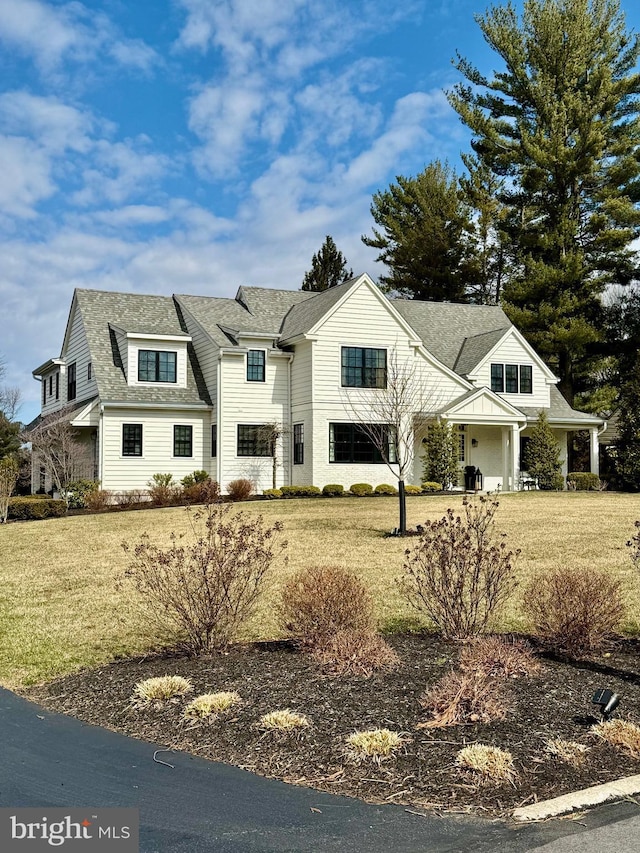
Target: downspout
column 219, row 421
column 101, row 445
column 289, row 431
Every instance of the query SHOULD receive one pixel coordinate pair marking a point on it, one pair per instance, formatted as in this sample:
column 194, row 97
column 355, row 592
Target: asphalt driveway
column 198, row 806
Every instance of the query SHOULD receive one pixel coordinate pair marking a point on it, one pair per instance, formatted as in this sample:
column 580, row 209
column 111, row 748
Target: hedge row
column 361, row 490
column 36, row 507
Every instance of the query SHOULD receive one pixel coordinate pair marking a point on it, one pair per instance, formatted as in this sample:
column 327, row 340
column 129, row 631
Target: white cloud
column 51, row 35
column 55, row 125
column 26, row 177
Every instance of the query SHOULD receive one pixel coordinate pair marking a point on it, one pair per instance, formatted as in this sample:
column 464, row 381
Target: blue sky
column 191, row 146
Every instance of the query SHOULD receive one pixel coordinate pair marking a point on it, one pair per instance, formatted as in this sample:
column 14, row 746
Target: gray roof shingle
column 136, row 313
column 303, row 316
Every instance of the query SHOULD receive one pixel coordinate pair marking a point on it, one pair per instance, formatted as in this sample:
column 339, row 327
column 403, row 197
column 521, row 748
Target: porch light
column 474, row 442
column 607, row 701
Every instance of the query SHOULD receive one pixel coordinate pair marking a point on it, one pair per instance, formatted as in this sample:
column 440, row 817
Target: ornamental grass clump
column 622, row 734
column 459, row 573
column 212, row 704
column 574, row 611
column 161, row 687
column 569, row 751
column 463, row 697
column 355, row 653
column 284, row 720
column 491, row 763
column 374, row 744
column 198, row 595
column 499, row 657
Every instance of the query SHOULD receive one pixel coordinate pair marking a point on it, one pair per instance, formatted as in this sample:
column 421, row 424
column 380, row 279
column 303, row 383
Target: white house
column 158, row 384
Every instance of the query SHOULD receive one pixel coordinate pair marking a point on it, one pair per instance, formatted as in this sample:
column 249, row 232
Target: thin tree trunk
column 402, row 500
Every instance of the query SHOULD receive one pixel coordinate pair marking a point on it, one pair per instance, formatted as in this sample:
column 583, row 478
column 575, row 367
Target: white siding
column 125, row 473
column 362, row 321
column 512, row 352
column 139, row 343
column 244, row 402
column 76, row 351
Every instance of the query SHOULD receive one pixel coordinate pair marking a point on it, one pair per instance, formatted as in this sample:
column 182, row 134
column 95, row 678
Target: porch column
column 515, row 457
column 505, row 459
column 594, row 451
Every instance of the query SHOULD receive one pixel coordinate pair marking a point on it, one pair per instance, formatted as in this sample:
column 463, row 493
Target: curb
column 593, row 796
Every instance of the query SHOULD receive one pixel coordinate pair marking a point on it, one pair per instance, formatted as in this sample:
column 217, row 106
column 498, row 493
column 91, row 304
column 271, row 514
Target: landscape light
column 607, row 700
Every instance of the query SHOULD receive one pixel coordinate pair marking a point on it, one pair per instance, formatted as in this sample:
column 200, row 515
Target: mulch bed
column 270, row 676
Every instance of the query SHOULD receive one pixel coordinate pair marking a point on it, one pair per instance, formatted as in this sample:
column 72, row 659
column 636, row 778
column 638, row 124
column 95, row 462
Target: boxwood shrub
column 412, row 490
column 333, row 490
column 36, row 507
column 361, row 490
column 300, row 491
column 431, row 487
column 583, row 481
column 385, row 489
column 272, row 493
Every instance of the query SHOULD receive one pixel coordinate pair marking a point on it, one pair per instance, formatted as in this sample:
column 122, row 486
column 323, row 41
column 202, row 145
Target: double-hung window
column 253, row 440
column 363, row 367
column 156, row 366
column 214, row 439
column 360, row 443
column 132, row 439
column 182, row 440
column 255, row 365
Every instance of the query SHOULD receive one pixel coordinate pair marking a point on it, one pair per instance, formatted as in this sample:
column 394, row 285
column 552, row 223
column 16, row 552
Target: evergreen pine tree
column 328, row 268
column 628, row 444
column 542, row 455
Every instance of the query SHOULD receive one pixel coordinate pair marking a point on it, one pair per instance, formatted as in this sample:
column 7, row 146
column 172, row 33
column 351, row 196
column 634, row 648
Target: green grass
column 61, row 606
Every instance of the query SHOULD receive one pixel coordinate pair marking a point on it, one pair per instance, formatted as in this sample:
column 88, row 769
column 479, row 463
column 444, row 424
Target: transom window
column 512, row 378
column 253, row 440
column 182, row 440
column 255, row 365
column 132, row 439
column 354, row 443
column 156, row 366
column 364, row 368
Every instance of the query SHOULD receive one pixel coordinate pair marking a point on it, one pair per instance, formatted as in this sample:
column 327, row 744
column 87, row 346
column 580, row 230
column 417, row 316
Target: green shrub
column 441, row 455
column 333, row 490
column 197, row 477
column 361, row 490
column 36, row 507
column 77, row 491
column 412, row 490
column 431, row 487
column 272, row 493
column 300, row 491
column 385, row 489
column 240, row 490
column 583, row 481
column 541, row 457
column 162, row 489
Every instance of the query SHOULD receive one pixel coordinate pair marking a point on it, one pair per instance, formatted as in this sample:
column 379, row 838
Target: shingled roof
column 140, row 314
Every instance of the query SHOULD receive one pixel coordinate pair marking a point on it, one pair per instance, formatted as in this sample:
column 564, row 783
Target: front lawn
column 62, row 607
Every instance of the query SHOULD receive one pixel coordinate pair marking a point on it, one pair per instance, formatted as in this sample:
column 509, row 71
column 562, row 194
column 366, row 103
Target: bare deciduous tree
column 270, row 435
column 392, row 417
column 9, row 397
column 9, row 470
column 55, row 444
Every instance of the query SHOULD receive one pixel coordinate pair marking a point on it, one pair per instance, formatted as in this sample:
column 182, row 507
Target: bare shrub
column 634, row 545
column 162, row 489
column 319, row 601
column 199, row 594
column 240, row 490
column 463, row 697
column 499, row 657
column 201, row 491
column 574, row 611
column 98, row 499
column 359, row 653
column 490, row 762
column 458, row 573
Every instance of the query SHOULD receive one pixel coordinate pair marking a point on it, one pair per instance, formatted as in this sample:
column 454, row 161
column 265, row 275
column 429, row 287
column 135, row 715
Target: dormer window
column 156, row 366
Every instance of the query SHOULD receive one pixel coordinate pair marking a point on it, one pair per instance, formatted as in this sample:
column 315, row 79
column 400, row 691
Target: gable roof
column 139, row 314
column 444, row 328
column 302, row 317
column 475, row 348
